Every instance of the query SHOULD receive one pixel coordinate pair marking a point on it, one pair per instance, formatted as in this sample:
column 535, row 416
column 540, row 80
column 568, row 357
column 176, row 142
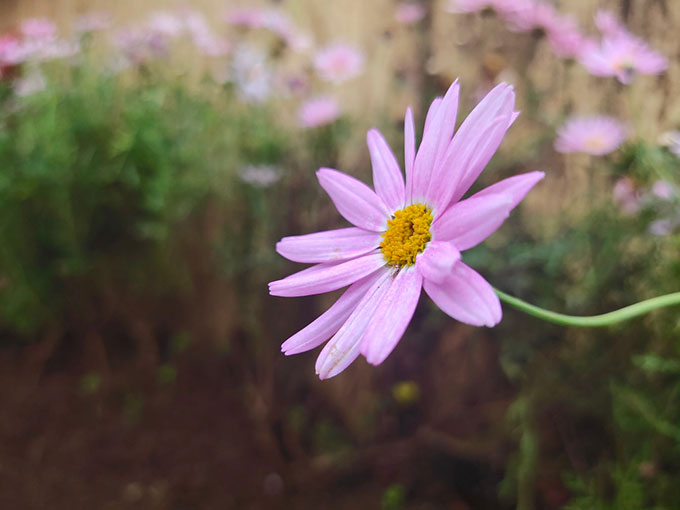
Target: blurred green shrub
column 98, row 173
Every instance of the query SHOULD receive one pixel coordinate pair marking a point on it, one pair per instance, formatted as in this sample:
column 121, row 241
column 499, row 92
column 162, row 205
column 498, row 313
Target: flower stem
column 593, row 321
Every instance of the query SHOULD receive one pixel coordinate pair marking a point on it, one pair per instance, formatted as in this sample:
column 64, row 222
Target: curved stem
column 593, row 321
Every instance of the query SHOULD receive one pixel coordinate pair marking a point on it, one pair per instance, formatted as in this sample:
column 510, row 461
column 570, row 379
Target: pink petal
column 345, row 345
column 357, row 203
column 327, row 277
column 328, row 246
column 466, row 296
column 432, row 113
column 387, row 178
column 515, row 187
column 328, row 323
column 409, row 150
column 472, row 146
column 391, row 318
column 436, row 138
column 437, row 261
column 469, row 222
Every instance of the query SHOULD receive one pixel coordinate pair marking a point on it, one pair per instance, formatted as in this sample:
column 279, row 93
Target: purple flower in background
column 409, row 13
column 620, row 53
column 597, row 135
column 339, row 62
column 406, row 236
column 318, row 111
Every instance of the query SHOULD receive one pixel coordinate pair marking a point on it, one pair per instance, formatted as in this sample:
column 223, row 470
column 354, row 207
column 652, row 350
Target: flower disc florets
column 408, row 232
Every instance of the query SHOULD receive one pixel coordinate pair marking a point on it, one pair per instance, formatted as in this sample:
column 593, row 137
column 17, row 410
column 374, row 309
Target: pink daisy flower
column 406, row 236
column 597, row 135
column 622, row 55
column 338, row 63
column 409, row 13
column 318, row 112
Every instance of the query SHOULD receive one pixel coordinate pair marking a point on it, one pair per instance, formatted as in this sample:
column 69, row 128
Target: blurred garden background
column 153, row 153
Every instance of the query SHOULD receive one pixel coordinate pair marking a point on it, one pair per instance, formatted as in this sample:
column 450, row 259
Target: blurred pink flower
column 12, row 52
column 663, row 189
column 409, row 13
column 205, row 39
column 406, row 236
column 318, row 111
column 139, row 45
column 626, row 196
column 597, row 135
column 166, row 23
column 500, row 6
column 339, row 62
column 38, row 28
column 92, row 22
column 622, row 55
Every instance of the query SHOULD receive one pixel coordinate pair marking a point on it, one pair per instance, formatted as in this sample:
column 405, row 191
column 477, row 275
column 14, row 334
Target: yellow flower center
column 408, row 232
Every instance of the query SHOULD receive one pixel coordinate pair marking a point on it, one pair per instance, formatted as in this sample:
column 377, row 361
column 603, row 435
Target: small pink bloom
column 663, row 190
column 318, row 112
column 338, row 63
column 622, row 55
column 38, row 28
column 407, row 235
column 205, row 39
column 409, row 13
column 468, row 6
column 626, row 196
column 166, row 23
column 593, row 135
column 12, row 52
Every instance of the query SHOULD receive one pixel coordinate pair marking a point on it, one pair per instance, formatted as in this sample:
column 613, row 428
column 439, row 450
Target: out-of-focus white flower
column 261, row 176
column 251, row 74
column 671, row 139
column 33, row 82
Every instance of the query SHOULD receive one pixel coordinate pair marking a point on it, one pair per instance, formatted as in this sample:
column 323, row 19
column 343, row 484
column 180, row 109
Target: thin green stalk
column 593, row 321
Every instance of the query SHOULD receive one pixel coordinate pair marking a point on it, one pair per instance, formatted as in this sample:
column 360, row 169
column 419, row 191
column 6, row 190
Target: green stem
column 593, row 321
